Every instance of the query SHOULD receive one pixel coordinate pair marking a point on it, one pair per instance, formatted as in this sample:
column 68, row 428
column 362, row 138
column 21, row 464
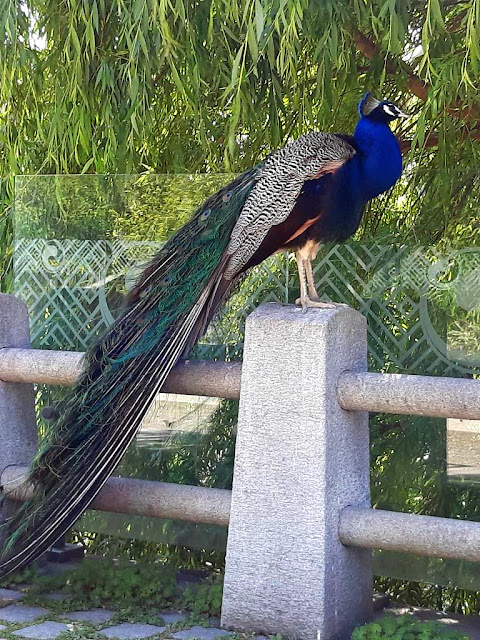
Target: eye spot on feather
column 204, row 215
column 226, row 196
column 164, row 281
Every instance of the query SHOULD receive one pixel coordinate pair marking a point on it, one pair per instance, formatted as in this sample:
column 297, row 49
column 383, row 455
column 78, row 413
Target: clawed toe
column 316, row 303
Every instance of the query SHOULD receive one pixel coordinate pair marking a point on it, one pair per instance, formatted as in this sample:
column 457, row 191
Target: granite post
column 300, row 459
column 18, row 428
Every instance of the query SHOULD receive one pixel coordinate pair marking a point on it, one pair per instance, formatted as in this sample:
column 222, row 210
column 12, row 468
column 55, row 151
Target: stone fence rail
column 380, row 392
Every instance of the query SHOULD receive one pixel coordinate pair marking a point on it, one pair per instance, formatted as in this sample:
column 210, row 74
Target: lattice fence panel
column 413, row 298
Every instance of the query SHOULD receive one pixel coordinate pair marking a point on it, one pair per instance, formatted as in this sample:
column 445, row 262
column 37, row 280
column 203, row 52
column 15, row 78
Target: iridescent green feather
column 167, row 310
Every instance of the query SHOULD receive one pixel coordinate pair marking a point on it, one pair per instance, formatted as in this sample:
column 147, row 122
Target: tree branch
column 432, row 140
column 370, row 50
column 416, row 85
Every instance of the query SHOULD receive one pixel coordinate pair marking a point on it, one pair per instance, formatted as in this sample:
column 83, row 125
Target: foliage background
column 212, row 85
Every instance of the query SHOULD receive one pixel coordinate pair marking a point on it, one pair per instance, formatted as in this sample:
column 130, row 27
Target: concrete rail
column 141, row 498
column 192, row 377
column 389, row 393
column 409, row 394
column 358, row 526
column 39, row 365
column 407, row 532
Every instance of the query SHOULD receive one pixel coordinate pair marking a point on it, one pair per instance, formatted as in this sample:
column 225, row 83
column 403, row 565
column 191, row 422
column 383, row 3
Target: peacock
column 313, row 190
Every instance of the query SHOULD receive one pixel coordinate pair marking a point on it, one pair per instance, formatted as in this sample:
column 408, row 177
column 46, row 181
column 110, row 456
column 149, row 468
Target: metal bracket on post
column 18, row 425
column 300, row 459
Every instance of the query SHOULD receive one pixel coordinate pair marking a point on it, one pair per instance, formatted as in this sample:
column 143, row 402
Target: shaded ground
column 469, row 625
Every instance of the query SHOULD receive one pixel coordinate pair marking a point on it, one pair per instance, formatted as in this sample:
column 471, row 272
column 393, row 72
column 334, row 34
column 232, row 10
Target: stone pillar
column 300, row 458
column 18, row 428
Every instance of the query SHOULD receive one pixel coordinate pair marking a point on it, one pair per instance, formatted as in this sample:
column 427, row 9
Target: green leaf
column 87, row 165
column 90, row 37
column 259, row 19
column 437, row 12
column 94, row 10
column 236, row 66
column 252, row 43
column 75, row 41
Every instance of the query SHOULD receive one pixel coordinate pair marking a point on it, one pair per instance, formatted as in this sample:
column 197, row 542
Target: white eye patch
column 391, row 110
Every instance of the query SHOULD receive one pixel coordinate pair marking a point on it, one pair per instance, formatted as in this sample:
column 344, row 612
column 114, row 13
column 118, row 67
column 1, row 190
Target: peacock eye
column 226, row 197
column 204, row 215
column 164, row 281
column 391, row 109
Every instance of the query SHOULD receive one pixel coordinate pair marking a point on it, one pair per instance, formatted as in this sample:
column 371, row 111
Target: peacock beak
column 402, row 114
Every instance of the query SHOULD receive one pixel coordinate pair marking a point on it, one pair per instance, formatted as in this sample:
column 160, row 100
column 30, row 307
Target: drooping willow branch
column 416, row 85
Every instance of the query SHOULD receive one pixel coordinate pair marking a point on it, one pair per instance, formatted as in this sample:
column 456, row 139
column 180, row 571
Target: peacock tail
column 165, row 313
column 311, row 191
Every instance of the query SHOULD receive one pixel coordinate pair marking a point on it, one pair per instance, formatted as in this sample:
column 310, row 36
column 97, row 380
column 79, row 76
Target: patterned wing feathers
column 278, row 186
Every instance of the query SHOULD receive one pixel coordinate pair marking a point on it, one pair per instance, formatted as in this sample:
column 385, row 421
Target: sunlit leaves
column 187, row 85
column 214, row 60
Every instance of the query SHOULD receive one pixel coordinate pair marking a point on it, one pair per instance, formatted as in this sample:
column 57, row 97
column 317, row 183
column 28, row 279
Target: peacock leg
column 308, row 293
column 312, row 289
column 303, row 282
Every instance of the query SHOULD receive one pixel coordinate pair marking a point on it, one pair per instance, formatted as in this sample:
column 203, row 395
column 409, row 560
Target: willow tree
column 207, row 85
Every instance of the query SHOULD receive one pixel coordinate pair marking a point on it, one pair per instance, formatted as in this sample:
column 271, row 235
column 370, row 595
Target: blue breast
column 380, row 157
column 341, row 197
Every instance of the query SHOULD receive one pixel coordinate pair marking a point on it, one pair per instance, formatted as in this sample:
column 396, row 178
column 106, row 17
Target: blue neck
column 379, row 158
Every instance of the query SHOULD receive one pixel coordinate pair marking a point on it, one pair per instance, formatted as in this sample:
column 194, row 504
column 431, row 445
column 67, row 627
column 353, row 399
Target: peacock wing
column 278, row 186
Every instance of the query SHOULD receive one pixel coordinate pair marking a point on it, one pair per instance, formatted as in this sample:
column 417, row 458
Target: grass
column 405, row 627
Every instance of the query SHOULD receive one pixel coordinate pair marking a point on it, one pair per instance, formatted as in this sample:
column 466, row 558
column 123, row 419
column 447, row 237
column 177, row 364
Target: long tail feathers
column 167, row 311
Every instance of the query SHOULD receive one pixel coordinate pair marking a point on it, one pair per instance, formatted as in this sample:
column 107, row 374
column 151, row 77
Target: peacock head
column 379, row 110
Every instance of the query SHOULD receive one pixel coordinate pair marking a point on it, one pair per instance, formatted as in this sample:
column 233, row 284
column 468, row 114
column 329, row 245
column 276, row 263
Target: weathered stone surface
column 300, row 458
column 94, row 616
column 201, row 633
column 18, row 426
column 414, row 533
column 171, row 617
column 43, row 631
column 9, row 595
column 21, row 613
column 131, row 631
column 143, row 497
column 411, row 395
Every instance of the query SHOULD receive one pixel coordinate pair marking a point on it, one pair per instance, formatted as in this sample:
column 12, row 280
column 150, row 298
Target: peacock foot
column 308, row 302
